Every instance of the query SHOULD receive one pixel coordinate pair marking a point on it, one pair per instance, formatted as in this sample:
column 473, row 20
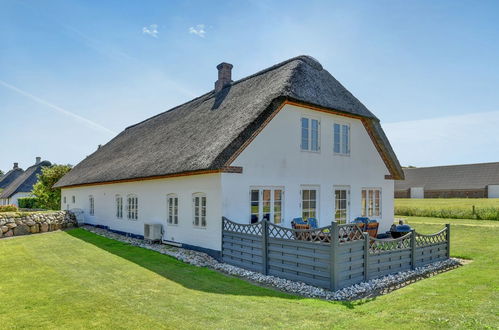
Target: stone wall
column 24, row 223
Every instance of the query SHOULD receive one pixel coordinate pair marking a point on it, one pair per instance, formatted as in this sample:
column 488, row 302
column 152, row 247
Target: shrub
column 8, row 208
column 28, row 203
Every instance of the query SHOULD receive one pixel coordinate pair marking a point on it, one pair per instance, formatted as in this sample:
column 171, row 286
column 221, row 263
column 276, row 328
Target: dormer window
column 310, row 134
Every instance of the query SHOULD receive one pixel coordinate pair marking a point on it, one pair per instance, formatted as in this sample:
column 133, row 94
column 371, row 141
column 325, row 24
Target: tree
column 1, row 173
column 48, row 197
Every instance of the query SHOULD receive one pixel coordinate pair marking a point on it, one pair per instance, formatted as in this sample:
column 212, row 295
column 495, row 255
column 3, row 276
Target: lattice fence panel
column 319, row 235
column 425, row 240
column 383, row 245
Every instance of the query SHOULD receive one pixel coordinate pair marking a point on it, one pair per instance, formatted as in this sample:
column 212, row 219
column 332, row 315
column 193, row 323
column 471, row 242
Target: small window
column 119, row 207
column 64, row 200
column 73, row 199
column 310, row 131
column 341, row 139
column 371, row 202
column 91, row 202
column 172, row 205
column 199, row 206
column 309, row 197
column 132, row 207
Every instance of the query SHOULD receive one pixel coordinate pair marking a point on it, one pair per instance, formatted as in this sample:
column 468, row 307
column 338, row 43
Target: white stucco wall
column 13, row 200
column 153, row 208
column 274, row 158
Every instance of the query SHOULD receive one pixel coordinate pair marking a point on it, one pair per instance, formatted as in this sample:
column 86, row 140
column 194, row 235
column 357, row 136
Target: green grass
column 456, row 208
column 76, row 279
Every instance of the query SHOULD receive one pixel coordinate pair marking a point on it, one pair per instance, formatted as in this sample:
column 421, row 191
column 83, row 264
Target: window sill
column 198, row 227
column 341, row 155
column 311, row 151
column 172, row 224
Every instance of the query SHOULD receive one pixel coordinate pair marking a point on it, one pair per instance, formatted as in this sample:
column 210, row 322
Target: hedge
column 8, row 208
column 28, row 203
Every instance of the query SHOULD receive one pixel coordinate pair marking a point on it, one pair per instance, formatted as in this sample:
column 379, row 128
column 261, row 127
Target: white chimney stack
column 38, row 160
column 16, row 166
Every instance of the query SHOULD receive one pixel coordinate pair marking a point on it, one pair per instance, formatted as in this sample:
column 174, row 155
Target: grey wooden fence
column 331, row 257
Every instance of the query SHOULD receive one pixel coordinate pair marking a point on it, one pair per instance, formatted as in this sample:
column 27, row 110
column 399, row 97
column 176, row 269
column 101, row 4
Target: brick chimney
column 224, row 76
column 38, row 160
column 16, row 166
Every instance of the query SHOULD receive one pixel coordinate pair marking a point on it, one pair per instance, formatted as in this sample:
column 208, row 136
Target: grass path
column 76, row 279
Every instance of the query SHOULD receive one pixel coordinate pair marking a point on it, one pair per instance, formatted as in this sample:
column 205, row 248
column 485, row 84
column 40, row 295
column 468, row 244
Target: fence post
column 366, row 256
column 413, row 249
column 265, row 236
column 333, row 267
column 447, row 236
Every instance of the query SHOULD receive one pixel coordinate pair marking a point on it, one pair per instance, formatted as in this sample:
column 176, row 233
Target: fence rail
column 331, row 257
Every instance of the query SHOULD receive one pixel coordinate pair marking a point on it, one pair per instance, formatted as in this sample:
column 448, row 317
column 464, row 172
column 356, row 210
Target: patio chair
column 372, row 228
column 304, row 236
column 313, row 223
column 299, row 221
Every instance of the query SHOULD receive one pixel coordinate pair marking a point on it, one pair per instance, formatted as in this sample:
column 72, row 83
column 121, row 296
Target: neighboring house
column 453, row 181
column 10, row 176
column 23, row 184
column 289, row 141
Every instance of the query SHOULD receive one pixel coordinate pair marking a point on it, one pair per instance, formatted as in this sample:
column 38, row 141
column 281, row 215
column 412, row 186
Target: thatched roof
column 10, row 176
column 205, row 132
column 451, row 177
column 26, row 181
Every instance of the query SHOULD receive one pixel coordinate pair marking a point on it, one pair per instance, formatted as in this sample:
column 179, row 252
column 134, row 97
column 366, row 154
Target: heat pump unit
column 153, row 231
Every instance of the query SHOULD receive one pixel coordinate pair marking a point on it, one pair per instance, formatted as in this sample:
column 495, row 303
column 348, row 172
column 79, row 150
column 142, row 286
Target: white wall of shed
column 417, row 192
column 493, row 191
column 274, row 158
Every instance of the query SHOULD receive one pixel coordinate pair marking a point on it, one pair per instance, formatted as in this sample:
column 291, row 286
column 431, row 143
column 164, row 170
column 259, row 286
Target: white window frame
column 368, row 202
column 272, row 214
column 343, row 150
column 132, row 207
column 119, row 206
column 91, row 205
column 199, row 211
column 309, row 133
column 317, row 200
column 172, row 209
column 335, row 202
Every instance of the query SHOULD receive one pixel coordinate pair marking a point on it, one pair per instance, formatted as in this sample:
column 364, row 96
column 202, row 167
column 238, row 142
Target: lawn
column 76, row 279
column 457, row 208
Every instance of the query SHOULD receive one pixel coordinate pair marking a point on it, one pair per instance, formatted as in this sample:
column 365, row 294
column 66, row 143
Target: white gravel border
column 372, row 288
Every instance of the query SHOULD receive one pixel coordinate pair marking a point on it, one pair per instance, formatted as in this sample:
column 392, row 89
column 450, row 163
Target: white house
column 289, row 141
column 23, row 183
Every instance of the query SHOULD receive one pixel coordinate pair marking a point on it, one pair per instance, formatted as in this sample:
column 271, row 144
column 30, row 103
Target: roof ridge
column 304, row 58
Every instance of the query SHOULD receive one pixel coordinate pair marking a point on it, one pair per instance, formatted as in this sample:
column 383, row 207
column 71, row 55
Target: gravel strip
column 372, row 288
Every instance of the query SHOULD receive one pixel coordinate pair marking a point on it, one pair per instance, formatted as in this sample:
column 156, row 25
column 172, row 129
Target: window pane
column 364, row 203
column 336, row 134
column 313, row 194
column 305, row 194
column 304, row 133
column 315, row 135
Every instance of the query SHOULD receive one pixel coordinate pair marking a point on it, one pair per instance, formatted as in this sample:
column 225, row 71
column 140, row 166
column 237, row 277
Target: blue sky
column 75, row 73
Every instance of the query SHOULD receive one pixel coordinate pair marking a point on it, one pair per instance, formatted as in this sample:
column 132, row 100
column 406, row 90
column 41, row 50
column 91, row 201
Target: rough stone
column 12, row 225
column 21, row 230
column 34, row 229
column 10, row 233
column 44, row 227
column 4, row 229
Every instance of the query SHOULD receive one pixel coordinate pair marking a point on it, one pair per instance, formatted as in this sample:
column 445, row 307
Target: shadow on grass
column 189, row 276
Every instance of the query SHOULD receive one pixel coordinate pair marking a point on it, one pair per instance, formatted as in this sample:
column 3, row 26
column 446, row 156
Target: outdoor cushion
column 312, row 222
column 299, row 221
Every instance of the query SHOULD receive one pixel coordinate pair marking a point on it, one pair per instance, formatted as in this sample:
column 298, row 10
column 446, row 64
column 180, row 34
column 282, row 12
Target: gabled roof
column 26, row 181
column 10, row 176
column 204, row 133
column 468, row 176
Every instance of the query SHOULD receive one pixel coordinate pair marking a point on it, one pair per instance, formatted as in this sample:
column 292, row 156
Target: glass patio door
column 266, row 204
column 341, row 204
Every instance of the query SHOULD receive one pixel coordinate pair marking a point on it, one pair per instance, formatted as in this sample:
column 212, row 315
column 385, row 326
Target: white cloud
column 151, row 30
column 198, row 30
column 460, row 139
